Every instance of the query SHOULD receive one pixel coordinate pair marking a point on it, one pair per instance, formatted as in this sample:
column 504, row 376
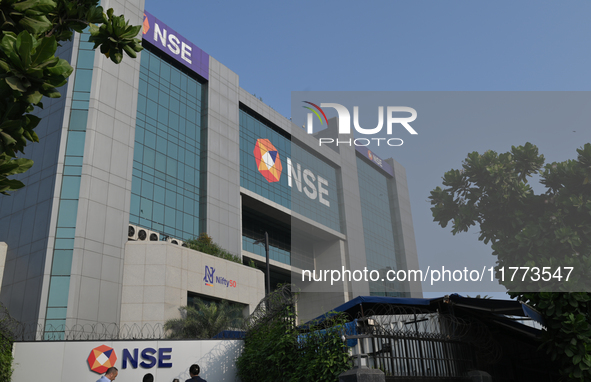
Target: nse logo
column 168, row 40
column 209, row 271
column 267, row 159
column 269, row 165
column 101, row 358
column 345, row 123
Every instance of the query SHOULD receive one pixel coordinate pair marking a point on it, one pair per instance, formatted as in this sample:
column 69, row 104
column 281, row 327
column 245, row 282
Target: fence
column 407, row 343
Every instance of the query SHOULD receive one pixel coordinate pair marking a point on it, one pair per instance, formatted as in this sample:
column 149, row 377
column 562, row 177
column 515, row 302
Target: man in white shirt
column 110, row 375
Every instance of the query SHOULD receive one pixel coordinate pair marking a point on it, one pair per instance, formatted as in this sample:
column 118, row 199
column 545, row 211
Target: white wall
column 157, row 277
column 66, row 361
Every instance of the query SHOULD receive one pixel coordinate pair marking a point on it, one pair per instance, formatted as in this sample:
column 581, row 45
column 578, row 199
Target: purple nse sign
column 176, row 46
column 375, row 159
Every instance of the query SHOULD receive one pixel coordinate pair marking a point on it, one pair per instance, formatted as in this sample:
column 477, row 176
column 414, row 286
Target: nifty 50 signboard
column 176, row 46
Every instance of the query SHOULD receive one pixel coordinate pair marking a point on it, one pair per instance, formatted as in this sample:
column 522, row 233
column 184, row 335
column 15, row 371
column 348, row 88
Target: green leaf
column 116, row 57
column 44, row 51
column 53, row 94
column 35, row 97
column 61, row 68
column 24, row 45
column 44, row 6
column 7, row 185
column 19, row 166
column 132, row 31
column 130, row 52
column 36, row 25
column 94, row 30
column 15, row 84
column 8, row 140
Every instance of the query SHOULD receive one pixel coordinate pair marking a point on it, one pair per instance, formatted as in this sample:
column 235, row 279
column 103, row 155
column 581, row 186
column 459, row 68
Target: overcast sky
column 277, row 47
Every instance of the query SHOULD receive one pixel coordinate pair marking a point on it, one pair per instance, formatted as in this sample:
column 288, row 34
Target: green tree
column 204, row 320
column 276, row 350
column 204, row 243
column 29, row 69
column 552, row 229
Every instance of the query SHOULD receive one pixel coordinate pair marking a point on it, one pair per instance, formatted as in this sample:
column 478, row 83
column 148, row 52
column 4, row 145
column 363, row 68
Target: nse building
column 136, row 158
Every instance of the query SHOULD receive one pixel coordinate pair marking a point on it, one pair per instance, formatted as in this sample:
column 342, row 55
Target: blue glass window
column 165, row 200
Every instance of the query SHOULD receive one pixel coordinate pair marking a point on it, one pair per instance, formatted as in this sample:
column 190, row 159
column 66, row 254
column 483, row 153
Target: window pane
column 67, row 213
column 78, row 119
column 58, row 291
column 70, row 187
column 75, row 145
column 62, row 262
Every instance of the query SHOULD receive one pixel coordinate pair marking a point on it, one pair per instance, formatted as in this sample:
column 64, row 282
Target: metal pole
column 268, row 268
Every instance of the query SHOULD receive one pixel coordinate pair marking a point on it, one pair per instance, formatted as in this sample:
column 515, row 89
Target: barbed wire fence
column 381, row 321
column 271, row 307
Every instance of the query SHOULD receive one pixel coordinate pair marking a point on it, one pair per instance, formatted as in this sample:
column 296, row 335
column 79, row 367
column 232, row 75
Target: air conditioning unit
column 174, row 241
column 147, row 235
column 143, row 234
column 153, row 236
column 132, row 232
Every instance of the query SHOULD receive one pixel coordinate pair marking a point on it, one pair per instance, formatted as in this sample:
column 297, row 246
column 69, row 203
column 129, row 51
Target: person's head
column 194, row 370
column 175, row 380
column 148, row 378
column 112, row 373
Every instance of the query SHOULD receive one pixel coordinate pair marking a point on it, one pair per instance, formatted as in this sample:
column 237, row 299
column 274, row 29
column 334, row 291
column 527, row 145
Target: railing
column 417, row 356
column 410, row 344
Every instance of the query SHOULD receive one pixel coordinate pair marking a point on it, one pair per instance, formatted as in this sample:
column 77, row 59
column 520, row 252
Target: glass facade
column 377, row 227
column 254, row 226
column 165, row 185
column 252, row 129
column 324, row 177
column 294, row 198
column 59, row 284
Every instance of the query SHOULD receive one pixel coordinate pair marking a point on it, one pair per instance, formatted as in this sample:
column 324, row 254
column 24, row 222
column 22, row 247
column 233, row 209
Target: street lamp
column 266, row 242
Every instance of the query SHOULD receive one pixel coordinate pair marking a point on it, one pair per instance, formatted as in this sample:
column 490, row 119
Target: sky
column 434, row 47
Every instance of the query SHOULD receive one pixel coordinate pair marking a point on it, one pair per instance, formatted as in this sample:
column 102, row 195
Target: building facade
column 170, row 145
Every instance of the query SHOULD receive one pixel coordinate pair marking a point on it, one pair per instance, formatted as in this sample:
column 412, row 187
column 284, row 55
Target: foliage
column 29, row 70
column 6, row 359
column 269, row 350
column 322, row 354
column 204, row 320
column 7, row 325
column 204, row 243
column 552, row 229
column 274, row 349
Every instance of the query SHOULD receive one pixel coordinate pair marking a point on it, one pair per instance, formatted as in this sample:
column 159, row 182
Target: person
column 148, row 378
column 175, row 380
column 194, row 373
column 110, row 375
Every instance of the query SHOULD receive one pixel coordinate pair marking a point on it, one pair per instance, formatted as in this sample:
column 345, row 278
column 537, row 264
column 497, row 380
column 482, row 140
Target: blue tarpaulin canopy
column 507, row 307
column 358, row 304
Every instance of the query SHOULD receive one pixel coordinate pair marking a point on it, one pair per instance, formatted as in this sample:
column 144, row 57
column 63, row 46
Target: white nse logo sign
column 268, row 162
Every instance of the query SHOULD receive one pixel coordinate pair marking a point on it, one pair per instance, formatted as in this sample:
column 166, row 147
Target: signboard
column 176, row 46
column 375, row 159
column 165, row 359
